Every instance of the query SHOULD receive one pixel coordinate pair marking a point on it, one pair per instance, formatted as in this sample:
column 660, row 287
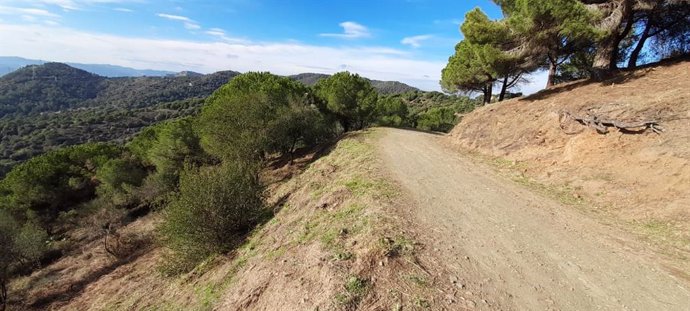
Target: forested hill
column 383, row 87
column 43, row 107
column 56, row 87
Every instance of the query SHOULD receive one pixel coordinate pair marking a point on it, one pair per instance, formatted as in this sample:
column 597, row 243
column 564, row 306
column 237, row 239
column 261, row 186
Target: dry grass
column 332, row 245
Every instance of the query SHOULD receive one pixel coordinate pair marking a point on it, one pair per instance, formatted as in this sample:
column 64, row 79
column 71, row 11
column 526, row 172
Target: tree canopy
column 573, row 39
column 349, row 97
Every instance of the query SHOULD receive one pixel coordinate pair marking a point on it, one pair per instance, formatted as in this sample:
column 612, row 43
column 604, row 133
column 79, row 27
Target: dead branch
column 602, row 125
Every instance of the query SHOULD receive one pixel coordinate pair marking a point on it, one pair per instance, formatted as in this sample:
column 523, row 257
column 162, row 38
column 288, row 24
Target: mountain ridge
column 10, row 64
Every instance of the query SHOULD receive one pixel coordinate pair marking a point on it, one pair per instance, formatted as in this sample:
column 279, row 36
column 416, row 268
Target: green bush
column 298, row 126
column 391, row 111
column 251, row 117
column 437, row 119
column 20, row 245
column 118, row 177
column 214, row 209
column 56, row 180
column 167, row 147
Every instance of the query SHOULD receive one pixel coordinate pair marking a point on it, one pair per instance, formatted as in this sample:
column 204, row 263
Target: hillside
column 383, row 87
column 641, row 179
column 11, row 63
column 43, row 107
column 334, row 243
column 55, row 105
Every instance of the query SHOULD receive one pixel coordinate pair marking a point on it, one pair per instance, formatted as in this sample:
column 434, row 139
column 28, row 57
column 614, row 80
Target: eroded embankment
column 642, row 179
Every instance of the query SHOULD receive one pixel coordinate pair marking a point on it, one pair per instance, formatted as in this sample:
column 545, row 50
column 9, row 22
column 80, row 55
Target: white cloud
column 351, row 30
column 186, row 21
column 125, row 10
column 70, row 45
column 537, row 82
column 175, row 17
column 72, row 5
column 8, row 10
column 415, row 41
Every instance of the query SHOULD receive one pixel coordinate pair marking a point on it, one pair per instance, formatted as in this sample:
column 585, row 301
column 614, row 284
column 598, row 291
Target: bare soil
column 642, row 180
column 518, row 249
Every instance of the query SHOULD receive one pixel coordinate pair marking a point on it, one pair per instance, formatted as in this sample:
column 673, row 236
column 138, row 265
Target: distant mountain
column 55, row 87
column 185, row 74
column 11, row 63
column 43, row 107
column 383, row 87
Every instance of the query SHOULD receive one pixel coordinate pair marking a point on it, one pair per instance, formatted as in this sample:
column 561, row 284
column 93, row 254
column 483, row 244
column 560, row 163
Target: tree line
column 572, row 39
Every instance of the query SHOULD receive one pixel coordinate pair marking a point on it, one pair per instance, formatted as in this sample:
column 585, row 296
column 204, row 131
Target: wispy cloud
column 351, row 30
column 125, row 10
column 188, row 22
column 415, row 41
column 223, row 36
column 73, row 5
column 8, row 10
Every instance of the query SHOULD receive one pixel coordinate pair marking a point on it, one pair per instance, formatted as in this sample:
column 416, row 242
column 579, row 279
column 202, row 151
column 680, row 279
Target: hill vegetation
column 383, row 87
column 55, row 105
column 190, row 163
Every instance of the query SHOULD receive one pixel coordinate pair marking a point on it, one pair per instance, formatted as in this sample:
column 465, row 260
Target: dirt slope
column 643, row 179
column 335, row 243
column 519, row 249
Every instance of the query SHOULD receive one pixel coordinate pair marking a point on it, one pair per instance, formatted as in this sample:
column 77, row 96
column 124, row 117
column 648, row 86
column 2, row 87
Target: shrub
column 56, row 180
column 215, row 208
column 19, row 246
column 240, row 119
column 298, row 126
column 391, row 111
column 118, row 177
column 437, row 119
column 167, row 147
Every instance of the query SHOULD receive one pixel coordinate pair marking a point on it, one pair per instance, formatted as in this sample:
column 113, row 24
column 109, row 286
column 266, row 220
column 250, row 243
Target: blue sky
column 405, row 40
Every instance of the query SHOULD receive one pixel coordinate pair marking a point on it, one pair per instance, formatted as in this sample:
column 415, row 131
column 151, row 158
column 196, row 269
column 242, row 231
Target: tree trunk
column 488, row 92
column 553, row 67
column 504, row 89
column 346, row 124
column 632, row 62
column 607, row 49
column 3, row 294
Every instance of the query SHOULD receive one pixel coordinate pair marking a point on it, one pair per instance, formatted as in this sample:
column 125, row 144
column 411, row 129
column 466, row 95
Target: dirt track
column 516, row 249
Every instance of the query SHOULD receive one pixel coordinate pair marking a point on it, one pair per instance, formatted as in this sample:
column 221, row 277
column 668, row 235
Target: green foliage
column 214, row 209
column 258, row 114
column 391, row 111
column 482, row 57
column 118, row 177
column 167, row 147
column 440, row 119
column 43, row 108
column 350, row 98
column 424, row 110
column 19, row 245
column 56, row 180
column 297, row 126
column 382, row 87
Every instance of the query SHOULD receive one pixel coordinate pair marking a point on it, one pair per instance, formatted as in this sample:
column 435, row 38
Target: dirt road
column 516, row 249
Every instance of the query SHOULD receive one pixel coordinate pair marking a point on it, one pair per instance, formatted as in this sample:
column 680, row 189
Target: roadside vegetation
column 202, row 172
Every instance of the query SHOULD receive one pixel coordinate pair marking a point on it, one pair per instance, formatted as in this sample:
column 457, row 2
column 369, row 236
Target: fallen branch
column 602, row 125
